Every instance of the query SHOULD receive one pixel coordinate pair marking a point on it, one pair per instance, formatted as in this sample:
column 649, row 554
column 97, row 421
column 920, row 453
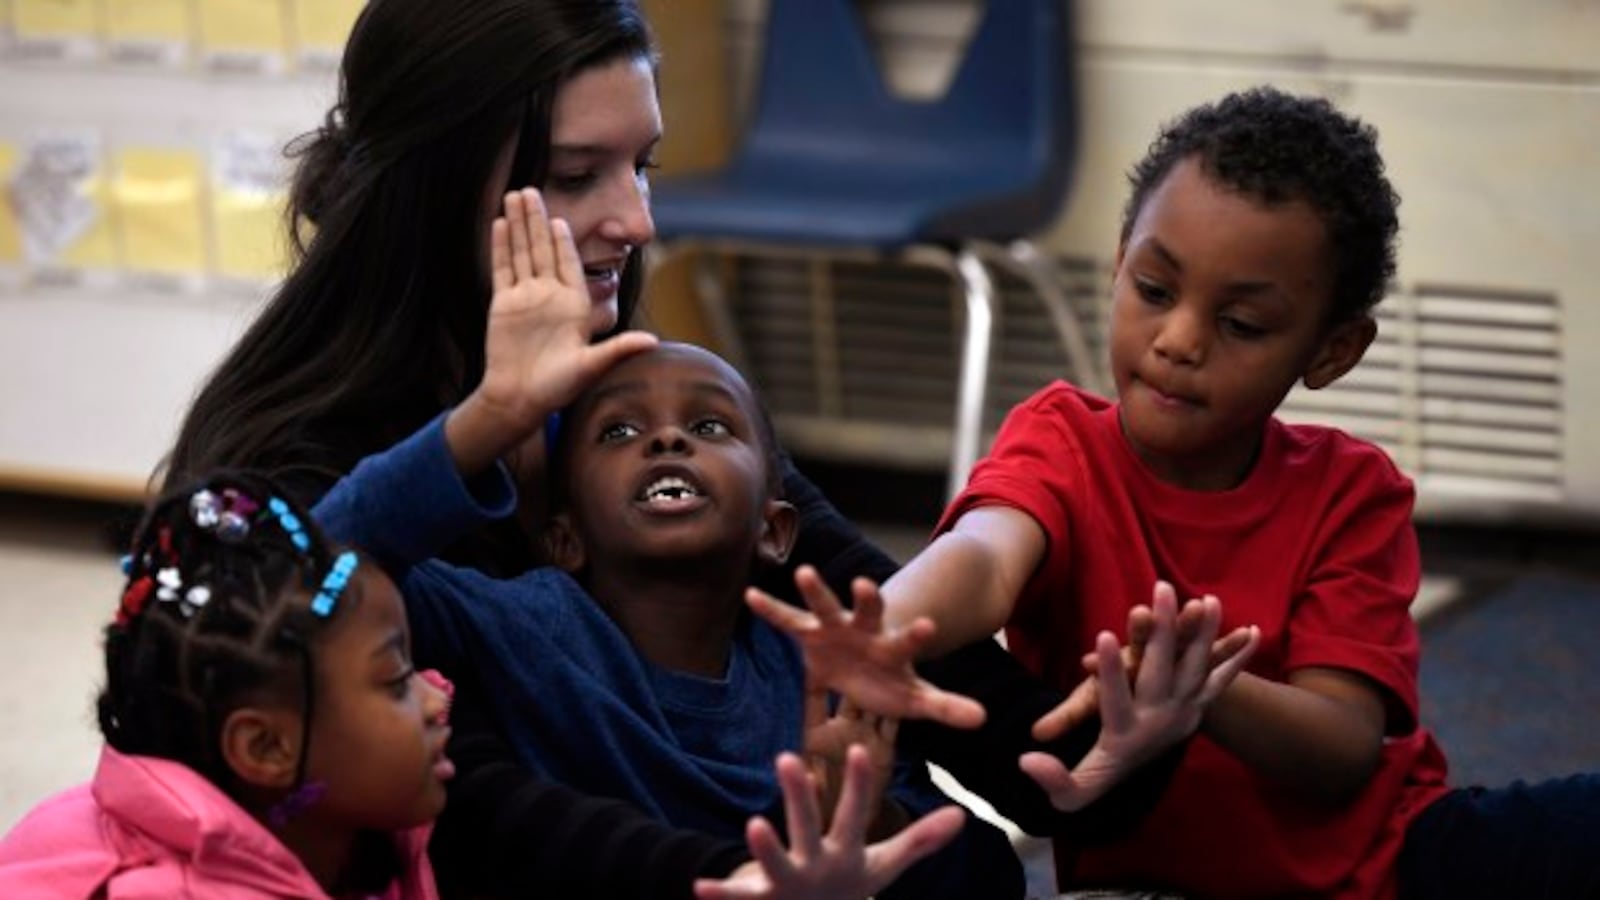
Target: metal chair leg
column 1024, row 260
column 975, row 347
column 710, row 295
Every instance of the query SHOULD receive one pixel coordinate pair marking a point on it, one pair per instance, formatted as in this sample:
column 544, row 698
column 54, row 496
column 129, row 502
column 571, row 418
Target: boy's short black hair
column 1277, row 147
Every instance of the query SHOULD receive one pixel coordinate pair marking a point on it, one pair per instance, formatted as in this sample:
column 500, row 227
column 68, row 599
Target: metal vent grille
column 858, row 362
column 1462, row 387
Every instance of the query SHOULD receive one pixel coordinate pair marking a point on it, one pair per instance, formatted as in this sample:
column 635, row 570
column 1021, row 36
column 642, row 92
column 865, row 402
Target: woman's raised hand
column 538, row 352
column 836, row 864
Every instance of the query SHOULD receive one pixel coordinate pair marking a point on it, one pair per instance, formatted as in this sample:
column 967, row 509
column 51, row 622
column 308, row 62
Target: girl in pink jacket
column 266, row 734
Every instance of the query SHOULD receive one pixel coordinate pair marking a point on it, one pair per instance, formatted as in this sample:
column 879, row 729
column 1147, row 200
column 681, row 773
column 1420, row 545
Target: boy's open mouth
column 669, row 489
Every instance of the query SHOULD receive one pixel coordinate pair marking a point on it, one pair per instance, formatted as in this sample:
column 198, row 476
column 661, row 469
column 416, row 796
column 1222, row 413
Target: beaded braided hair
column 228, row 585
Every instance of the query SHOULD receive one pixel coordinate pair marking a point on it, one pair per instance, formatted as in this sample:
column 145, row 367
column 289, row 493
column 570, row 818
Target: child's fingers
column 954, row 710
column 818, row 596
column 779, row 614
column 855, row 798
column 541, row 240
column 1116, row 696
column 1155, row 669
column 500, row 255
column 1224, row 648
column 1141, row 624
column 568, row 265
column 888, row 729
column 1051, row 775
column 887, row 859
column 1223, row 675
column 1194, row 659
column 517, row 222
column 800, row 807
column 814, row 708
column 1079, row 707
column 868, row 613
column 766, row 848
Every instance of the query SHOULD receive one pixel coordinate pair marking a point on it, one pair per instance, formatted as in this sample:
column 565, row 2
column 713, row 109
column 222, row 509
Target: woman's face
column 605, row 126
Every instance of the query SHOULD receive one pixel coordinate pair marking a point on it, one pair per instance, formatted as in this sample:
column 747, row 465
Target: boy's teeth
column 670, row 488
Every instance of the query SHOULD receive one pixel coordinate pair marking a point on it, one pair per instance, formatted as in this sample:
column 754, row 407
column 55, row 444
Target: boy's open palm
column 849, row 652
column 538, row 350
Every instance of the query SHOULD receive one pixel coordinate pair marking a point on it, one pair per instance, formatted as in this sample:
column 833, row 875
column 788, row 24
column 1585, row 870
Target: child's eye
column 1239, row 328
column 400, row 685
column 711, row 428
column 1151, row 292
column 649, row 162
column 617, row 431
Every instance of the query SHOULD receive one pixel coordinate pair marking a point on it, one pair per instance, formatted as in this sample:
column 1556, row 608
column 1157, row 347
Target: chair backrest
column 1007, row 120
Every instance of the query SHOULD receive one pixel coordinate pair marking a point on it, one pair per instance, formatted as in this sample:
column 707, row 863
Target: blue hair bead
column 290, row 524
column 333, row 584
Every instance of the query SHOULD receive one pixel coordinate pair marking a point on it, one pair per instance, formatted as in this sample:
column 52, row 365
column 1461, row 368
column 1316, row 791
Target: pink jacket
column 149, row 828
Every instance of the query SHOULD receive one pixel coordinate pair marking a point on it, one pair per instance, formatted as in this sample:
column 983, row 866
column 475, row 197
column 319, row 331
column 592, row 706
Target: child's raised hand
column 849, row 652
column 838, row 864
column 538, row 354
column 828, row 739
column 1176, row 678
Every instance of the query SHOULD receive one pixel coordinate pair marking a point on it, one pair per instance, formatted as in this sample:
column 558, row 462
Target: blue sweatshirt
column 577, row 702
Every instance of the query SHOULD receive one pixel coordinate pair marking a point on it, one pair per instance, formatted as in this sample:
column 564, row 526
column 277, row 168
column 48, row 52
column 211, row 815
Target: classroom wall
column 1489, row 114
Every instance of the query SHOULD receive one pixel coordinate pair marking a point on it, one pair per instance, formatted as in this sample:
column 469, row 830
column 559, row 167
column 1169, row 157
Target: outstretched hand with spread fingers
column 850, row 653
column 838, row 864
column 1084, row 701
column 1177, row 677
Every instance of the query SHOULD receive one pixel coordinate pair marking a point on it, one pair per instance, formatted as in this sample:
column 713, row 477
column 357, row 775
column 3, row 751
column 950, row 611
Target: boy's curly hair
column 1278, row 148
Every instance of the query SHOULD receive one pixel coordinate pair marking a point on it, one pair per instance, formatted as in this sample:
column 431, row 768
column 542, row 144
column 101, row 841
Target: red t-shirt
column 1316, row 547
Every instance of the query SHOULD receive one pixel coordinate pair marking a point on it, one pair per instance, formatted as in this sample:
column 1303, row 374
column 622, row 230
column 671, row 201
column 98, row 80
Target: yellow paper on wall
column 249, row 235
column 249, row 25
column 323, row 25
column 96, row 248
column 249, row 190
column 158, row 210
column 10, row 230
column 163, row 20
column 56, row 18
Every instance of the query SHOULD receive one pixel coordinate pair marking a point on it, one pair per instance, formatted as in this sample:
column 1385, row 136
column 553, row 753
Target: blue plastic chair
column 831, row 159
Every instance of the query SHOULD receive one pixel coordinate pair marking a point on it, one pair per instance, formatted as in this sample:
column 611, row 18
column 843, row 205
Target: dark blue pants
column 1523, row 841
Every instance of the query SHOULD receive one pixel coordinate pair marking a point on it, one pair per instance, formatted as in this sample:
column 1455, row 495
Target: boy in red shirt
column 1258, row 237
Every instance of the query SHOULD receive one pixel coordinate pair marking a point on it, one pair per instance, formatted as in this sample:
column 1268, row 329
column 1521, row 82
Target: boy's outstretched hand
column 838, row 864
column 1178, row 667
column 849, row 652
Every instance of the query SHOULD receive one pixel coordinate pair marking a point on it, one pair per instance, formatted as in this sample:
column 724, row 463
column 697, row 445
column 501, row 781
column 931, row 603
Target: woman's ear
column 778, row 531
column 1341, row 349
column 562, row 546
column 262, row 745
